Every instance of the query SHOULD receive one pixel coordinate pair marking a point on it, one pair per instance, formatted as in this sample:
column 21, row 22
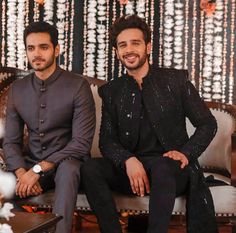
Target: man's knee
column 164, row 167
column 91, row 168
column 68, row 169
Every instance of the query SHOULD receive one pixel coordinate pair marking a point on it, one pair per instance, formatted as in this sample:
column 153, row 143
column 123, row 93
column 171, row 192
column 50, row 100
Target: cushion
column 95, row 152
column 218, row 153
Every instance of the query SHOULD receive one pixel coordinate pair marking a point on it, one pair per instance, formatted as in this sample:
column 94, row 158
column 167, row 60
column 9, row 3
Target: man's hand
column 137, row 176
column 176, row 155
column 27, row 184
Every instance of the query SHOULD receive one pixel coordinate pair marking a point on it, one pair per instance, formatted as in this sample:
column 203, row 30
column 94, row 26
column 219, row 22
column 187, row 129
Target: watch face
column 37, row 168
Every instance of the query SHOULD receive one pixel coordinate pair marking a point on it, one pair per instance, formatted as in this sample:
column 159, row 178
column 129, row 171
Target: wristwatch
column 37, row 169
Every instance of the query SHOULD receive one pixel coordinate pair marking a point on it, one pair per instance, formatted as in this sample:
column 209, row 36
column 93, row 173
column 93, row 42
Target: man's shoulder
column 163, row 72
column 112, row 86
column 73, row 79
column 22, row 82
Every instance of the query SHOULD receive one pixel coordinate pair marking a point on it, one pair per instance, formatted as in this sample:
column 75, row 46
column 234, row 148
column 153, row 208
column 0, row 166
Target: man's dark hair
column 127, row 22
column 36, row 27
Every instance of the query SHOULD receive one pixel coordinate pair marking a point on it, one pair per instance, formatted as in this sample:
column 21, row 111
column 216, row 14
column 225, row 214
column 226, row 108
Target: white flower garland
column 232, row 48
column 161, row 33
column 91, row 37
column 167, row 32
column 11, row 33
column 101, row 40
column 36, row 11
column 61, row 11
column 48, row 11
column 21, row 56
column 218, row 51
column 141, row 8
column 223, row 88
column 129, row 8
column 3, row 59
column 178, row 35
column 71, row 48
column 208, row 56
column 193, row 54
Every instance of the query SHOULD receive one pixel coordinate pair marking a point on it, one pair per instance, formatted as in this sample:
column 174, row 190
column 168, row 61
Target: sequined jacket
column 169, row 98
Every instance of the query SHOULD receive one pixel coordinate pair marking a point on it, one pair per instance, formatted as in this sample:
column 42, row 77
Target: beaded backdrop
column 186, row 35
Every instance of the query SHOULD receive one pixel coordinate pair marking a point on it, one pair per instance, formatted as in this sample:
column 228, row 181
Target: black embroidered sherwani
column 168, row 98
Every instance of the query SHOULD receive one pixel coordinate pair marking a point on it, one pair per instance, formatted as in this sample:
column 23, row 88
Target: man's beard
column 48, row 64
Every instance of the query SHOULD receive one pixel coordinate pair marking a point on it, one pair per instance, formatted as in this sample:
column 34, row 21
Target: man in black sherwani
column 144, row 140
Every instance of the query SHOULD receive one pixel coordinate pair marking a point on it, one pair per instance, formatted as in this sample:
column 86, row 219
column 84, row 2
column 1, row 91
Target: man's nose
column 37, row 52
column 129, row 48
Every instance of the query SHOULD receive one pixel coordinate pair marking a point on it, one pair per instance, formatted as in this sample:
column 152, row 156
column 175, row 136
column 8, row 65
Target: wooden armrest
column 233, row 161
column 231, row 109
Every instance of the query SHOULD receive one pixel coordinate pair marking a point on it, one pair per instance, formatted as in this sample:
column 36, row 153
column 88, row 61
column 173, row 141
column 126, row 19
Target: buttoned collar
column 50, row 79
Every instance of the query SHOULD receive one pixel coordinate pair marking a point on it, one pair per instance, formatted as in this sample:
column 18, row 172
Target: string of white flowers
column 11, row 33
column 121, row 13
column 178, row 35
column 232, row 48
column 224, row 55
column 161, row 31
column 113, row 55
column 152, row 13
column 218, row 51
column 3, row 56
column 107, row 39
column 20, row 53
column 186, row 31
column 208, row 56
column 48, row 11
column 85, row 33
column 168, row 30
column 147, row 8
column 101, row 39
column 36, row 11
column 141, row 8
column 193, row 47
column 201, row 53
column 66, row 34
column 26, row 13
column 91, row 37
column 72, row 15
column 61, row 11
column 129, row 8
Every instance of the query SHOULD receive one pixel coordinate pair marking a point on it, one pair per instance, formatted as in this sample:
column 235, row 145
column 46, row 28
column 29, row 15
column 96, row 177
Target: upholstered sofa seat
column 218, row 162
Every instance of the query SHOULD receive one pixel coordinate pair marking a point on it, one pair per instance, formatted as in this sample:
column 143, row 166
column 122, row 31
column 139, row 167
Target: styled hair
column 36, row 27
column 127, row 22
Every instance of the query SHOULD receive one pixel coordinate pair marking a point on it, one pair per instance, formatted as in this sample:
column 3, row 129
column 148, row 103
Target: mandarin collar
column 50, row 79
column 132, row 79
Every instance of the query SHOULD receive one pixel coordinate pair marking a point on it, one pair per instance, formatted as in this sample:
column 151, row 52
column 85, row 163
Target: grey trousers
column 66, row 179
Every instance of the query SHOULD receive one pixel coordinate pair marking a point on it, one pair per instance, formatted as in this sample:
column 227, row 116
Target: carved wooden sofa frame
column 218, row 160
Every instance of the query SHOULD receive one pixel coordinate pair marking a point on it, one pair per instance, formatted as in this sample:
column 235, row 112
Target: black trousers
column 167, row 180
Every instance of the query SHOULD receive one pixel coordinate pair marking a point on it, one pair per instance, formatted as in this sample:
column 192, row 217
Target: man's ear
column 57, row 50
column 117, row 54
column 149, row 48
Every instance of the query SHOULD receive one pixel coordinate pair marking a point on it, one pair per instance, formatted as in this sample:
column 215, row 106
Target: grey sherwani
column 59, row 114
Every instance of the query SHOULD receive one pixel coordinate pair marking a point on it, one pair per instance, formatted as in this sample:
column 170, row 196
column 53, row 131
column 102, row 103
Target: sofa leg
column 77, row 223
column 234, row 228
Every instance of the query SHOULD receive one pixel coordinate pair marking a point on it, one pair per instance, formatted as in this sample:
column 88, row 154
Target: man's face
column 40, row 51
column 131, row 49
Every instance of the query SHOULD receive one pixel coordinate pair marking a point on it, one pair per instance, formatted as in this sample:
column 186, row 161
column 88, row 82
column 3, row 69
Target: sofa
column 218, row 161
